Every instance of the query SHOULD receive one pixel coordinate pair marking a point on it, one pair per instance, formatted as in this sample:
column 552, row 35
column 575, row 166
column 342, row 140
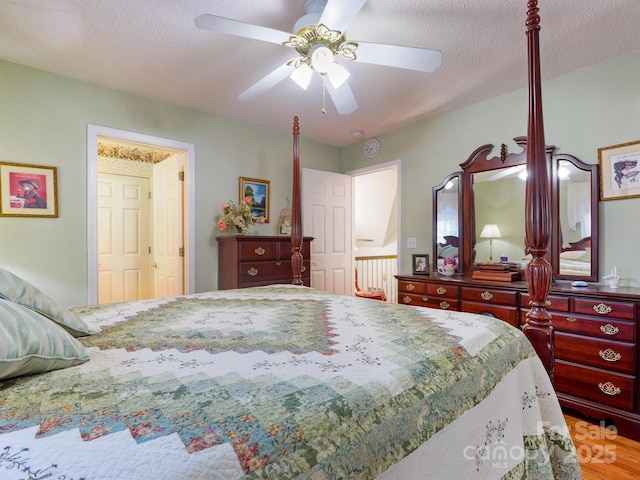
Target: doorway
column 376, row 227
column 171, row 248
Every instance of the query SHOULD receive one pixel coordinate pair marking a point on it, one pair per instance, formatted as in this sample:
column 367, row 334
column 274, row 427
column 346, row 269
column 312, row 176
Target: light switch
column 412, row 242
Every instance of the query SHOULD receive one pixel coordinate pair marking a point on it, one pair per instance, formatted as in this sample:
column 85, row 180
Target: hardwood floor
column 603, row 454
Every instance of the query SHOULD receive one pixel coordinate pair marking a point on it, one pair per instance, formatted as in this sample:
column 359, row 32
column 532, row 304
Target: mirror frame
column 556, row 227
column 479, row 161
column 434, row 230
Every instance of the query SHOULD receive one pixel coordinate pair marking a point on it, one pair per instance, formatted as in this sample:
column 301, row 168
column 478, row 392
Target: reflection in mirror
column 499, row 200
column 447, row 221
column 576, row 188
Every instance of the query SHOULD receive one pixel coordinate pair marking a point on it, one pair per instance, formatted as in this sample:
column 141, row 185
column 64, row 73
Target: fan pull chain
column 324, row 91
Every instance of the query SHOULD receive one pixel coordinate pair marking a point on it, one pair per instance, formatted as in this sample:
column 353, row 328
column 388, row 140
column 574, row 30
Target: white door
column 123, row 242
column 326, row 208
column 167, row 228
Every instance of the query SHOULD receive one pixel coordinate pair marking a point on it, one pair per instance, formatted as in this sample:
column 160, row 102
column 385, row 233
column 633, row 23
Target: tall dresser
column 596, row 336
column 252, row 260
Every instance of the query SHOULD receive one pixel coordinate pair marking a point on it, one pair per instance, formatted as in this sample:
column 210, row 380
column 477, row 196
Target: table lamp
column 490, row 231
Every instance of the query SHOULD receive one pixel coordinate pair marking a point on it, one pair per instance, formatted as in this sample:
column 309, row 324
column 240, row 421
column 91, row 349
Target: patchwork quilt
column 286, row 382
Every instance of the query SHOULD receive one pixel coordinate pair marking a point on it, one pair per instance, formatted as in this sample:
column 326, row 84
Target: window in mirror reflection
column 447, row 221
column 575, row 219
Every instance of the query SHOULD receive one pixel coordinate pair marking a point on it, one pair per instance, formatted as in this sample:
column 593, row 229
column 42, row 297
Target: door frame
column 374, row 168
column 93, row 133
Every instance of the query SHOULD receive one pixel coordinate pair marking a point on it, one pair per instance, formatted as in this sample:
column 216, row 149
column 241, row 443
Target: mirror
column 499, row 200
column 447, row 220
column 574, row 233
column 493, row 193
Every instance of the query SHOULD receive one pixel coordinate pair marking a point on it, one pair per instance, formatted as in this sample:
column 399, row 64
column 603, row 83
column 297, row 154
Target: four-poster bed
column 276, row 382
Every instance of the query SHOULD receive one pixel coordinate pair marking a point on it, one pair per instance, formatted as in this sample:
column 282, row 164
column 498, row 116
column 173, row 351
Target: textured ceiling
column 152, row 48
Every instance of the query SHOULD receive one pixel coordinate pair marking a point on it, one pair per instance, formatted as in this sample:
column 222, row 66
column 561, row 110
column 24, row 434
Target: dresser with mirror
column 596, row 331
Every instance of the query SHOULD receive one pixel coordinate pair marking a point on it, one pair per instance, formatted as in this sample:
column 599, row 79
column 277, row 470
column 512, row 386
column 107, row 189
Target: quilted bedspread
column 287, row 382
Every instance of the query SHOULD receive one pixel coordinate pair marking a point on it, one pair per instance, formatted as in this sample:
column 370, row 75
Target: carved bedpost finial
column 296, row 214
column 537, row 328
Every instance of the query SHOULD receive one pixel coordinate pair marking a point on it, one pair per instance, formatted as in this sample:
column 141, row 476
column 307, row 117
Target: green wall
column 584, row 110
column 43, row 121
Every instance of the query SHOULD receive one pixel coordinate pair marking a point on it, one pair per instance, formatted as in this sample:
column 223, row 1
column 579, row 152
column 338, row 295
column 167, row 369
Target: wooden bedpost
column 296, row 214
column 538, row 328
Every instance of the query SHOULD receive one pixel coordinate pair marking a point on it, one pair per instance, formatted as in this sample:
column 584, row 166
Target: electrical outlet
column 412, row 242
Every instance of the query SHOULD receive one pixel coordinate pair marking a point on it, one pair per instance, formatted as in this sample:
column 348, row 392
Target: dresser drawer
column 441, row 290
column 614, row 389
column 595, row 327
column 488, row 295
column 251, row 272
column 560, row 304
column 506, row 314
column 412, row 287
column 413, row 299
column 602, row 307
column 608, row 354
column 257, row 250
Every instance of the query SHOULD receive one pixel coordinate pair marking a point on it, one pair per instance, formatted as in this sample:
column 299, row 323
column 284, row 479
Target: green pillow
column 31, row 343
column 17, row 290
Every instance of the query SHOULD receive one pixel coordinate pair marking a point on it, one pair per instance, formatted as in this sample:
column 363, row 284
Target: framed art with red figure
column 28, row 190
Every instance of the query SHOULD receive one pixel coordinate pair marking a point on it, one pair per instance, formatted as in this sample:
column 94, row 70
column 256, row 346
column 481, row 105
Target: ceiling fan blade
column 342, row 97
column 411, row 58
column 268, row 82
column 338, row 14
column 240, row 29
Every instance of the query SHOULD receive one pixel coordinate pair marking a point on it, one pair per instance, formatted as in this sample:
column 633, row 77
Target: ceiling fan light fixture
column 322, row 58
column 337, row 75
column 302, row 75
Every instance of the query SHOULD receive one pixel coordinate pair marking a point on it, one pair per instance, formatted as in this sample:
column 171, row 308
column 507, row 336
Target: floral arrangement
column 450, row 261
column 237, row 219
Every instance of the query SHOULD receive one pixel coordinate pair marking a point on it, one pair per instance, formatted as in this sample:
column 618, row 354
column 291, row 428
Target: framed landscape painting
column 259, row 191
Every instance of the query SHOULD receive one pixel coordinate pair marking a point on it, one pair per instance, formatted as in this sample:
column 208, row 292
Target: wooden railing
column 378, row 272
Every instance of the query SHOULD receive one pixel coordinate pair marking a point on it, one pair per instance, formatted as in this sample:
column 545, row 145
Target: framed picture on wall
column 619, row 171
column 28, row 190
column 420, row 264
column 259, row 191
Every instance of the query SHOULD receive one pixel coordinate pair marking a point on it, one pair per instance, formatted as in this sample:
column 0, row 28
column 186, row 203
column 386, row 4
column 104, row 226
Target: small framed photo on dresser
column 420, row 264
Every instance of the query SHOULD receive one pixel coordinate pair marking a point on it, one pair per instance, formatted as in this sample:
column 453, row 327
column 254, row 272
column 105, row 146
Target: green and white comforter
column 287, row 382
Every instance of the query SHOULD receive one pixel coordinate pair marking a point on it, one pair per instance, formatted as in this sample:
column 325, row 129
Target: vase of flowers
column 238, row 219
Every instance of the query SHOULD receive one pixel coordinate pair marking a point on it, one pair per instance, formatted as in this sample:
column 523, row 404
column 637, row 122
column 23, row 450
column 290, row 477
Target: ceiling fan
column 319, row 40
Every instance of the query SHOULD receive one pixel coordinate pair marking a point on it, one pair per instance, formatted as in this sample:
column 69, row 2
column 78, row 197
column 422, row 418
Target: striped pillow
column 17, row 290
column 34, row 344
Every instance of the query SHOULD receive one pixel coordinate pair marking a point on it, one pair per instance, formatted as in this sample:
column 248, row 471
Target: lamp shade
column 490, row 230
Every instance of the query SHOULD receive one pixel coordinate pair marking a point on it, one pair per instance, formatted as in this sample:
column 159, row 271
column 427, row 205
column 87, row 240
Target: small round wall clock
column 372, row 147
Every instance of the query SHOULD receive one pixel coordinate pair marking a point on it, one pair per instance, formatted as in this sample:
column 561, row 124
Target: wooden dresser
column 251, row 261
column 596, row 336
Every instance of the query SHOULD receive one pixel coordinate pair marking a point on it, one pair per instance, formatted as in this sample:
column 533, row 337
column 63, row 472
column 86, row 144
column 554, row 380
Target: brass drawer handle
column 602, row 309
column 278, row 263
column 609, row 329
column 572, row 319
column 411, row 287
column 609, row 355
column 425, row 299
column 407, row 299
column 486, row 295
column 609, row 388
column 304, row 269
column 253, row 271
column 260, row 251
column 444, row 305
column 441, row 290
